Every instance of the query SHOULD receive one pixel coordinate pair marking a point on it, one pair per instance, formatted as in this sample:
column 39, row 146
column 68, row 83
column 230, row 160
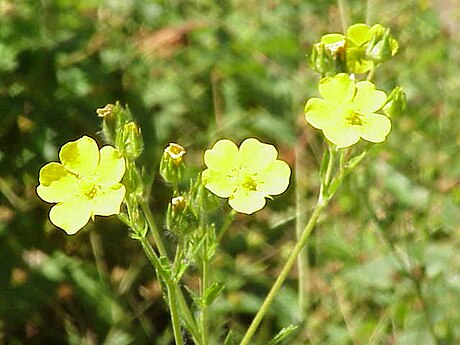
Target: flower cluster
column 87, row 180
column 359, row 51
column 85, row 184
column 246, row 175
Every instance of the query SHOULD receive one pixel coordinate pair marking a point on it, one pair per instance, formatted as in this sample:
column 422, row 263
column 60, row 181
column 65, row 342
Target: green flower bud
column 334, row 43
column 396, row 103
column 382, row 45
column 132, row 141
column 327, row 56
column 181, row 218
column 172, row 165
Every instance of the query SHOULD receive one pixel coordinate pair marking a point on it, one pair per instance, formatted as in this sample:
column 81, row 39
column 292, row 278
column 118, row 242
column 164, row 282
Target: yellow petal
column 57, row 184
column 71, row 215
column 375, row 128
column 337, row 89
column 368, row 99
column 81, row 156
column 357, row 62
column 247, row 202
column 318, row 113
column 274, row 179
column 222, row 157
column 342, row 135
column 359, row 34
column 256, row 156
column 111, row 167
column 218, row 183
column 333, row 42
column 108, row 202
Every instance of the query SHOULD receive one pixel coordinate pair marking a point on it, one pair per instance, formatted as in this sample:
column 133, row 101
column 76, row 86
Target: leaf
column 229, row 339
column 196, row 299
column 284, row 333
column 212, row 292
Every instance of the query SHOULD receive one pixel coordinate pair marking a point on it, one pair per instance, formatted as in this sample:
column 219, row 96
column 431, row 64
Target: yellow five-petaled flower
column 85, row 184
column 246, row 175
column 348, row 111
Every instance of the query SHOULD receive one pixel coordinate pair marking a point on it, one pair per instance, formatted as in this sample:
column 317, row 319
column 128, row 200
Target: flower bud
column 322, row 60
column 178, row 204
column 181, row 218
column 105, row 111
column 334, row 43
column 382, row 45
column 171, row 165
column 132, row 141
column 396, row 102
column 328, row 55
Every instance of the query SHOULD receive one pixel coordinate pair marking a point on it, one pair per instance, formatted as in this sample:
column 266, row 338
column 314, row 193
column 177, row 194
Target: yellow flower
column 246, row 175
column 359, row 36
column 347, row 112
column 85, row 184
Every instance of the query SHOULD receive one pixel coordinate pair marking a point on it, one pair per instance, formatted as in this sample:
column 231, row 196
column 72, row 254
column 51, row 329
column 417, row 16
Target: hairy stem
column 173, row 307
column 176, row 294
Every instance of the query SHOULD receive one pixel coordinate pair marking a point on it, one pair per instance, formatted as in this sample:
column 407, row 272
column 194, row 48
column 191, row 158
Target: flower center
column 249, row 183
column 91, row 193
column 355, row 119
column 89, row 190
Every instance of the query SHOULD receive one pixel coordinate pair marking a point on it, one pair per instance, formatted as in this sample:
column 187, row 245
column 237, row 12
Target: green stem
column 177, row 294
column 328, row 175
column 173, row 307
column 302, row 259
column 187, row 315
column 343, row 9
column 371, row 74
column 284, row 272
column 153, row 228
column 204, row 306
column 151, row 255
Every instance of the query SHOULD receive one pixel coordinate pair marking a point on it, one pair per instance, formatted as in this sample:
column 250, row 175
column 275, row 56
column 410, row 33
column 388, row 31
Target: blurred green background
column 384, row 262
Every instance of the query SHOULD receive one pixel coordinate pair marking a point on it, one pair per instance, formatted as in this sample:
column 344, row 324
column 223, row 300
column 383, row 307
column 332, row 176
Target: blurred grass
column 193, row 72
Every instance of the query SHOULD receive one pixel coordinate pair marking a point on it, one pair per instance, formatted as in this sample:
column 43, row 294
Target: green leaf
column 229, row 339
column 283, row 334
column 212, row 292
column 196, row 299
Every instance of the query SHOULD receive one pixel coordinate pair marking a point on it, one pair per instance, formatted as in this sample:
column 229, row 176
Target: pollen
column 249, row 184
